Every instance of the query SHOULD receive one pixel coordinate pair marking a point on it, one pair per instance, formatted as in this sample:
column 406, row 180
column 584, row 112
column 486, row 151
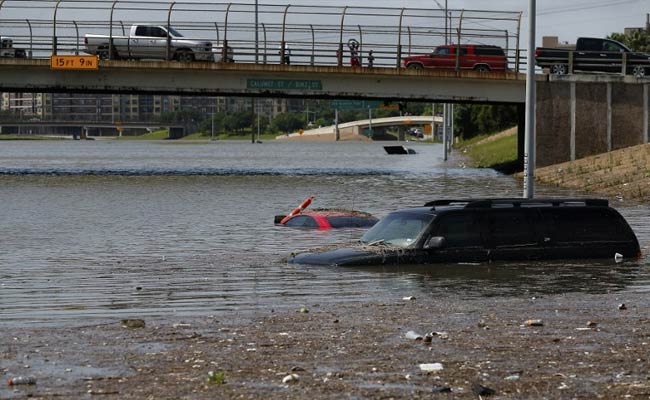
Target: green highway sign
column 355, row 104
column 284, row 84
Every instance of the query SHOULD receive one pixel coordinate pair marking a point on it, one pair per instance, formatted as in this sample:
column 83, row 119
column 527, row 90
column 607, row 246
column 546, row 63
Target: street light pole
column 446, row 16
column 256, row 32
column 529, row 146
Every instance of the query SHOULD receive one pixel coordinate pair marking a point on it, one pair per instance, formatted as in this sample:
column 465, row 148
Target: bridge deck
column 268, row 80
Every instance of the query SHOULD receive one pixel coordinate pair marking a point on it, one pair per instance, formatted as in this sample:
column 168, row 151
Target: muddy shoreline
column 589, row 346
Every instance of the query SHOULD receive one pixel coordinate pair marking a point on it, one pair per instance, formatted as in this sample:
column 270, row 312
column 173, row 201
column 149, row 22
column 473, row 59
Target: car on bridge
column 465, row 56
column 146, row 41
column 593, row 55
column 484, row 230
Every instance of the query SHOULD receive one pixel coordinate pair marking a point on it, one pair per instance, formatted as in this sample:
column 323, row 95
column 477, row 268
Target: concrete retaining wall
column 583, row 115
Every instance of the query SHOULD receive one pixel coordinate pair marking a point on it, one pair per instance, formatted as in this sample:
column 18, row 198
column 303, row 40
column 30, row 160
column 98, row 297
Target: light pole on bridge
column 256, row 31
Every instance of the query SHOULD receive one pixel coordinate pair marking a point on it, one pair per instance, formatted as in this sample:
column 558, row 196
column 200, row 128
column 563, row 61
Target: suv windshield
column 398, row 229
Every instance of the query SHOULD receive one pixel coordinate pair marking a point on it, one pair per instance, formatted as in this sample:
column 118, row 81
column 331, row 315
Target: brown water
column 97, row 230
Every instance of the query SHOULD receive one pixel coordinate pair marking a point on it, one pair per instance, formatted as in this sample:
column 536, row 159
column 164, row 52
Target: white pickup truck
column 150, row 42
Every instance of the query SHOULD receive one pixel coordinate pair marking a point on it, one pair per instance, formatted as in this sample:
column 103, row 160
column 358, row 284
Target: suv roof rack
column 518, row 202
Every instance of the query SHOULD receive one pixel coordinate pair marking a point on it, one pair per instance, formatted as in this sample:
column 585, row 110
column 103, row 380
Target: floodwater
column 99, row 230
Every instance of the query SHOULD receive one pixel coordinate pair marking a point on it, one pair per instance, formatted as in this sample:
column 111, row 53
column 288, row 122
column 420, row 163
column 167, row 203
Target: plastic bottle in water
column 22, row 380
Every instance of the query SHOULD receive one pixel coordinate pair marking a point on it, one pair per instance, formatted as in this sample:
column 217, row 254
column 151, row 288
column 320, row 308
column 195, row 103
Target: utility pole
column 212, row 120
column 529, row 146
column 256, row 32
column 370, row 121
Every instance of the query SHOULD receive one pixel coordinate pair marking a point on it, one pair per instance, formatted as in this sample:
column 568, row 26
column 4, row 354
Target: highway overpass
column 355, row 130
column 264, row 80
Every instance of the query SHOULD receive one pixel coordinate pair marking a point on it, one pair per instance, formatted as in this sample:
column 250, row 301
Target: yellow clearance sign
column 74, row 62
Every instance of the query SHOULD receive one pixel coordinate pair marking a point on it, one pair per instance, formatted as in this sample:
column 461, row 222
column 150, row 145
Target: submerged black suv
column 479, row 230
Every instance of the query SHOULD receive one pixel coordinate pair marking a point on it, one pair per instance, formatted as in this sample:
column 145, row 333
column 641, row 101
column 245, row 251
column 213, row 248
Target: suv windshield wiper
column 376, row 242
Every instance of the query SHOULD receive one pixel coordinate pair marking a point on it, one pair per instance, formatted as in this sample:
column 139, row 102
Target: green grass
column 231, row 136
column 155, row 135
column 29, row 137
column 491, row 154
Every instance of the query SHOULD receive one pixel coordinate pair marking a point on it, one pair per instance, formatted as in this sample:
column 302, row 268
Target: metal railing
column 295, row 34
column 560, row 62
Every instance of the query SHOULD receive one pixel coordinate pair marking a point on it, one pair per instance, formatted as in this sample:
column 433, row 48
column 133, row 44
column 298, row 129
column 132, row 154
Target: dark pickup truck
column 594, row 54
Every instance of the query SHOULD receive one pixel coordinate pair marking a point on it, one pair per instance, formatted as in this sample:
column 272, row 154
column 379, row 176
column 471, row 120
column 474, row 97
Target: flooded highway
column 98, row 230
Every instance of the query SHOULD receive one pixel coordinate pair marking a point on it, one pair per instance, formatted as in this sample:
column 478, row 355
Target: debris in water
column 534, row 322
column 408, row 298
column 431, row 367
column 218, row 378
column 133, row 323
column 291, row 378
column 413, row 335
column 481, row 390
column 618, row 257
column 22, row 380
column 622, row 306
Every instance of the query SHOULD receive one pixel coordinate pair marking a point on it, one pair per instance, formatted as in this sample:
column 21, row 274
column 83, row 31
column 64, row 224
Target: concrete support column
column 572, row 140
column 609, row 116
column 646, row 112
column 337, row 132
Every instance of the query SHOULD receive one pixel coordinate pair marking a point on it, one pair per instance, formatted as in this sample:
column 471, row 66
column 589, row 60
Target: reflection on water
column 106, row 229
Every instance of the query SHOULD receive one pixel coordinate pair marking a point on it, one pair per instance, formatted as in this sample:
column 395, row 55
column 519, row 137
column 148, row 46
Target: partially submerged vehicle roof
column 354, row 216
column 506, row 202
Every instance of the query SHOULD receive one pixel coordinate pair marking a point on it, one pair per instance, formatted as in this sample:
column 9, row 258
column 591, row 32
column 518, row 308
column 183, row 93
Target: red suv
column 472, row 56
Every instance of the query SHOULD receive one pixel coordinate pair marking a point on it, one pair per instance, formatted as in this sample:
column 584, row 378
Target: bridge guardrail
column 309, row 35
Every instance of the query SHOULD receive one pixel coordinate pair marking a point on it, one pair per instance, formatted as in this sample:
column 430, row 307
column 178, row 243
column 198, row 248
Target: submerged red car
column 327, row 218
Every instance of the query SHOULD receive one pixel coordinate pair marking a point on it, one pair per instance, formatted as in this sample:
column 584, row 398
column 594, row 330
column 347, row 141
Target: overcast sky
column 567, row 19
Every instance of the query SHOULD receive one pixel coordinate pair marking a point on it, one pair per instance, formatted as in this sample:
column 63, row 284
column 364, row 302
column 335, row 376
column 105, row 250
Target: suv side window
column 459, row 230
column 441, row 51
column 584, row 225
column 510, row 228
column 489, row 51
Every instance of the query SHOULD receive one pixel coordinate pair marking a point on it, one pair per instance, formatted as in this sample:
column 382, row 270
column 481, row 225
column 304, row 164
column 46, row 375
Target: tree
column 479, row 119
column 638, row 41
column 287, row 122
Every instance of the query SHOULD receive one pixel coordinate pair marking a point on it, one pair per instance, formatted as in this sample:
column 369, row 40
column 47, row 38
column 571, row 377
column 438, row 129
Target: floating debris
column 413, row 335
column 22, row 380
column 291, row 378
column 481, row 390
column 218, row 378
column 431, row 367
column 133, row 323
column 534, row 322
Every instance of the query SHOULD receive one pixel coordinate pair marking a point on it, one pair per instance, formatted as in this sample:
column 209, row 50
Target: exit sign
column 284, row 84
